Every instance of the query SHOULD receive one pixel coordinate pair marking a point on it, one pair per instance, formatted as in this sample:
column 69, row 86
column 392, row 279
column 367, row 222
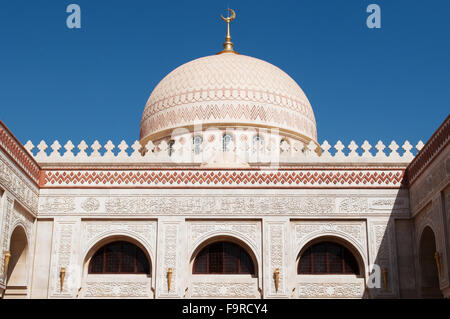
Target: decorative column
column 275, row 257
column 170, row 252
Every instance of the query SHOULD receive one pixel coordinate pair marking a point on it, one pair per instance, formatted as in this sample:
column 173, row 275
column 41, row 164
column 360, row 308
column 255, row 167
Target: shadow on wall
column 429, row 274
column 399, row 257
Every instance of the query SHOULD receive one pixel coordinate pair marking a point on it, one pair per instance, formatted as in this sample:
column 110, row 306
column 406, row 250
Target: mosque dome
column 228, row 90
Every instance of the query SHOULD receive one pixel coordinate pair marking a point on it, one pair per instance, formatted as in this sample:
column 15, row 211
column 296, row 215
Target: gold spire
column 228, row 45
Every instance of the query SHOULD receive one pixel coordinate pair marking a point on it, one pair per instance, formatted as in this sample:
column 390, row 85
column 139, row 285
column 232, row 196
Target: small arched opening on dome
column 227, row 142
column 285, row 146
column 197, row 140
column 258, row 141
column 329, row 256
column 170, row 149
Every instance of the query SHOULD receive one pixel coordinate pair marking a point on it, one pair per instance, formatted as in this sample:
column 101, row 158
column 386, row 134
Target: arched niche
column 429, row 277
column 17, row 274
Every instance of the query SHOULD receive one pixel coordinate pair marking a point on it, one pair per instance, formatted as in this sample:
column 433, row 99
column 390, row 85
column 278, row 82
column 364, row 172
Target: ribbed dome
column 228, row 89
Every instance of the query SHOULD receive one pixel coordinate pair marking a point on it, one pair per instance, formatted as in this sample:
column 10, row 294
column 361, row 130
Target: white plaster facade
column 273, row 200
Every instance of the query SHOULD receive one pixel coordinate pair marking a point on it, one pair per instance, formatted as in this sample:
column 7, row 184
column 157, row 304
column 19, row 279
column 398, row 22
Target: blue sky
column 93, row 83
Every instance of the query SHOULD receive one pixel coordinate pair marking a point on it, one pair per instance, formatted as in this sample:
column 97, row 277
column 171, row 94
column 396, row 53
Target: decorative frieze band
column 224, row 290
column 225, row 205
column 317, row 178
column 115, row 289
column 331, row 289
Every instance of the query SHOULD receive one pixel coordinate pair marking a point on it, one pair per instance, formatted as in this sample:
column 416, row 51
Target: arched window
column 227, row 139
column 197, row 140
column 119, row 257
column 170, row 149
column 223, row 258
column 284, row 145
column 258, row 141
column 327, row 258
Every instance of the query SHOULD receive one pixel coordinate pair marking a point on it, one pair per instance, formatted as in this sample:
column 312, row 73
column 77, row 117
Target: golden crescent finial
column 228, row 45
column 230, row 18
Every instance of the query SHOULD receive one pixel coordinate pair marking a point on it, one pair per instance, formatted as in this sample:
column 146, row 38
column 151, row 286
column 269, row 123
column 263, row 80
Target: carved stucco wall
column 178, row 237
column 330, row 287
column 383, row 252
column 276, row 257
column 317, row 203
column 170, row 254
column 123, row 286
column 18, row 185
column 433, row 180
column 19, row 204
column 430, row 207
column 64, row 254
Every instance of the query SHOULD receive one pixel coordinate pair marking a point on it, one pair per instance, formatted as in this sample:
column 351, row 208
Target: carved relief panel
column 275, row 255
column 383, row 253
column 171, row 247
column 64, row 255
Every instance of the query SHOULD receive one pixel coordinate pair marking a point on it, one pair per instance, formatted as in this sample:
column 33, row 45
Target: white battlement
column 213, row 152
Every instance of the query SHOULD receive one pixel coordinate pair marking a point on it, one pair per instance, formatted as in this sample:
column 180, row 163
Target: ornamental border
column 161, row 178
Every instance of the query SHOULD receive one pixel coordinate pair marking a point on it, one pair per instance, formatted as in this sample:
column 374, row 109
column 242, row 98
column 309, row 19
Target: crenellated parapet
column 213, row 152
